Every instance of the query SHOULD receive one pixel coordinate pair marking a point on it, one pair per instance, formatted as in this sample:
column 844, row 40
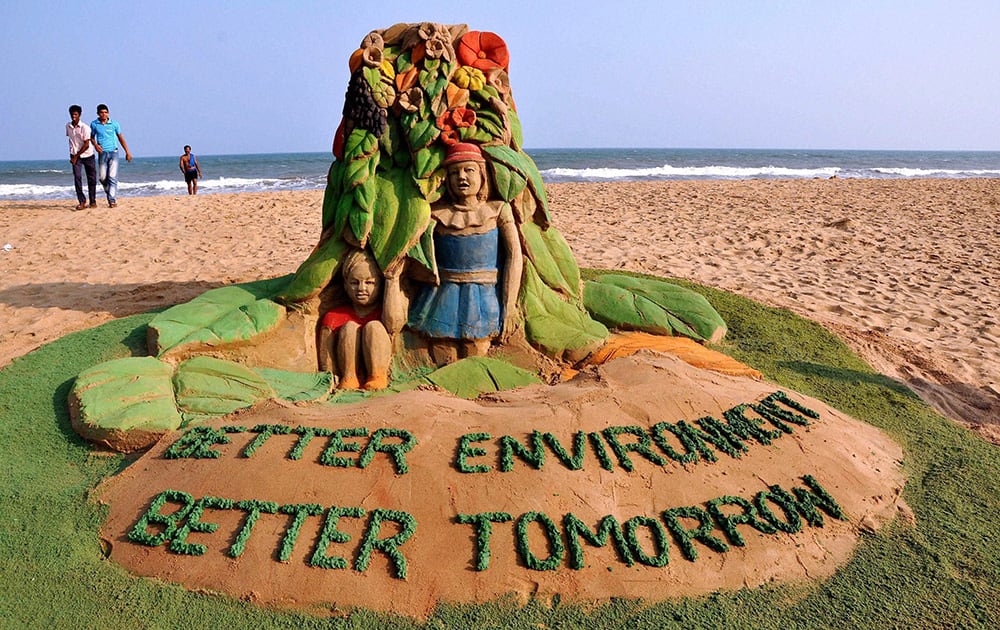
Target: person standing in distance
column 191, row 169
column 106, row 135
column 81, row 156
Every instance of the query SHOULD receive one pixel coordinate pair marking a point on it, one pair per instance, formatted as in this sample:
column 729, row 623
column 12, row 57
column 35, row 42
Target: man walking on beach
column 191, row 169
column 81, row 156
column 106, row 135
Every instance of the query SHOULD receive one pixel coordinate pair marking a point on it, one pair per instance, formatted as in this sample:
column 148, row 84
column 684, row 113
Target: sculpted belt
column 483, row 276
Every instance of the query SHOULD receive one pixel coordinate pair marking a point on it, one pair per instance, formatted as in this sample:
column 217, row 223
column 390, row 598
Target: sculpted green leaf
column 422, row 134
column 553, row 325
column 372, row 76
column 334, row 188
column 490, row 123
column 315, row 272
column 652, row 306
column 523, row 164
column 400, row 218
column 509, row 184
column 422, row 252
column 517, row 135
column 473, row 376
column 215, row 317
column 207, row 387
column 126, row 404
column 357, row 172
column 427, row 160
column 552, row 258
column 360, row 144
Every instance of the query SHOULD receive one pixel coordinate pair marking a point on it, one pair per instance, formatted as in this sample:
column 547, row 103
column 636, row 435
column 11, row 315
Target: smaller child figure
column 352, row 339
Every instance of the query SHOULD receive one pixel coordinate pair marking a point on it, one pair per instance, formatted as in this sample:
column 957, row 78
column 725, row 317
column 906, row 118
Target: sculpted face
column 363, row 284
column 465, row 179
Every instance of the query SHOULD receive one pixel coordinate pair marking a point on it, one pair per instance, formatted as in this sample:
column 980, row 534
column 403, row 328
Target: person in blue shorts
column 191, row 169
column 106, row 135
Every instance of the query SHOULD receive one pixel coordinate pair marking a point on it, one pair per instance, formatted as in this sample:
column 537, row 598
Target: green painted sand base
column 944, row 573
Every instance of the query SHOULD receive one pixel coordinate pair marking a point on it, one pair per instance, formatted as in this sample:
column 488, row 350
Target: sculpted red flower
column 452, row 121
column 483, row 50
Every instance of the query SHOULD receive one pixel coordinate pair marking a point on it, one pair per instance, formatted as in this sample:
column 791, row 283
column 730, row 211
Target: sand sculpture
column 362, row 441
column 431, row 187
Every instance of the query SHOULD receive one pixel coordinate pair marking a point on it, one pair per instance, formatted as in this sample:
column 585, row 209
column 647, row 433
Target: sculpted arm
column 511, row 274
column 395, row 303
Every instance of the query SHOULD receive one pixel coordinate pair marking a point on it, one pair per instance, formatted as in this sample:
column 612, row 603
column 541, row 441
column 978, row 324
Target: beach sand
column 907, row 273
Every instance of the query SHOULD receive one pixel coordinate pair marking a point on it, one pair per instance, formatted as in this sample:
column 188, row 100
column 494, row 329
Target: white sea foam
column 937, row 172
column 29, row 191
column 733, row 172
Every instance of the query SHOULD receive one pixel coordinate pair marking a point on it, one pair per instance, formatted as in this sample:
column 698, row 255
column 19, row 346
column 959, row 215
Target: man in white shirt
column 81, row 156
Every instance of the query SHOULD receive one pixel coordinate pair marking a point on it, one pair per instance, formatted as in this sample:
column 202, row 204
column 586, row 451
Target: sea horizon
column 261, row 172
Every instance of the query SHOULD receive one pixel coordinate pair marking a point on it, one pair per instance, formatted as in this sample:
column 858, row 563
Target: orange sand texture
column 906, row 272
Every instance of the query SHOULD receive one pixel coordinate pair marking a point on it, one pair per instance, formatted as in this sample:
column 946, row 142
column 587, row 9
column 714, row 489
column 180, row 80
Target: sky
column 268, row 77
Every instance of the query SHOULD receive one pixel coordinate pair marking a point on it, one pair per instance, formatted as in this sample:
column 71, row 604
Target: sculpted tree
column 436, row 245
column 416, row 92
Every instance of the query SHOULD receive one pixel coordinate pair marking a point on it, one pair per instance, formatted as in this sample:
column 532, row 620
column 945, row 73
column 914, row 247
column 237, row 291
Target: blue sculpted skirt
column 460, row 310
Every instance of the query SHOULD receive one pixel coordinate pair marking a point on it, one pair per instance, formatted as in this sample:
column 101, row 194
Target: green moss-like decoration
column 389, row 546
column 652, row 306
column 552, row 535
column 330, row 534
column 747, row 428
column 300, row 512
column 253, row 509
column 602, row 453
column 659, row 538
column 608, row 528
column 483, row 522
column 196, row 443
column 792, row 523
column 683, row 536
column 306, row 435
column 224, row 315
column 816, row 497
column 473, row 376
column 265, row 431
column 193, row 523
column 337, row 444
column 396, row 450
column 574, row 461
column 465, row 450
column 642, row 445
column 728, row 522
column 170, row 522
column 533, row 454
column 689, row 436
column 722, row 436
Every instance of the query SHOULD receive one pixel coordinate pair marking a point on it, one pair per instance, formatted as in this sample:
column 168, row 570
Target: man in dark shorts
column 191, row 169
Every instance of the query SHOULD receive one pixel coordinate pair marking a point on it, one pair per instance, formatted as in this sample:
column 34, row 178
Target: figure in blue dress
column 478, row 254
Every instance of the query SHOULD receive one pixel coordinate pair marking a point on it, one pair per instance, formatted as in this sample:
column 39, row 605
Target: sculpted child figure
column 479, row 260
column 353, row 342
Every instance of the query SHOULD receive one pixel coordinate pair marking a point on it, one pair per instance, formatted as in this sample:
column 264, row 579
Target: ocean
column 53, row 179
